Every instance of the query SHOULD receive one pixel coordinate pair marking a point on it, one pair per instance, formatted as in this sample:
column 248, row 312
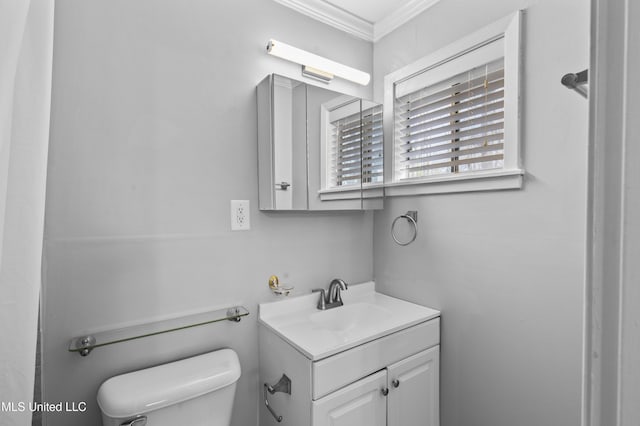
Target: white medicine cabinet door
column 361, row 403
column 414, row 386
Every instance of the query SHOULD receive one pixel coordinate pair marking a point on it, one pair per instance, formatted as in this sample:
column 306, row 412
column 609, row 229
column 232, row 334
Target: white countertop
column 365, row 316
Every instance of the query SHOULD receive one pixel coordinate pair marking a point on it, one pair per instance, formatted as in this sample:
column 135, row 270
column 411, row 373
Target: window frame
column 510, row 176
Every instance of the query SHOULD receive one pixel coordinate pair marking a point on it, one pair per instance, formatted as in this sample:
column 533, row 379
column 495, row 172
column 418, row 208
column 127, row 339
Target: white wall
column 506, row 268
column 153, row 132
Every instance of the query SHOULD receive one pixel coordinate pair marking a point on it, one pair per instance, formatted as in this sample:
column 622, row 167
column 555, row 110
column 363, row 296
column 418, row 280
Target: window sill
column 489, row 181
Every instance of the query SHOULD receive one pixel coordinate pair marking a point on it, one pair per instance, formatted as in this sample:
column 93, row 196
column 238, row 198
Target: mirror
column 317, row 149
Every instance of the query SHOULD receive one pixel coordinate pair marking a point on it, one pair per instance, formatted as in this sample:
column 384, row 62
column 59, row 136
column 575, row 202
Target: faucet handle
column 322, row 303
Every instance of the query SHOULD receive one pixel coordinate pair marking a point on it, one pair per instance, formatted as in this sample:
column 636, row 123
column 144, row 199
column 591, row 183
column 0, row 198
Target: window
column 456, row 126
column 455, row 116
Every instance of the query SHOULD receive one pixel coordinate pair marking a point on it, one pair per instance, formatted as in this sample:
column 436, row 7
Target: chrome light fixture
column 315, row 66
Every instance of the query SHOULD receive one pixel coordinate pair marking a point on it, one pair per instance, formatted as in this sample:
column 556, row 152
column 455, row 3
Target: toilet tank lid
column 153, row 388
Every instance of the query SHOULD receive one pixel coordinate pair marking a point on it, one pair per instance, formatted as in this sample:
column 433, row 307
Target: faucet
column 331, row 298
column 334, row 291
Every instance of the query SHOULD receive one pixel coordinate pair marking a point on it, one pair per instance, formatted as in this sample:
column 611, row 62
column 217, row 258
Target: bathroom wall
column 506, row 268
column 153, row 132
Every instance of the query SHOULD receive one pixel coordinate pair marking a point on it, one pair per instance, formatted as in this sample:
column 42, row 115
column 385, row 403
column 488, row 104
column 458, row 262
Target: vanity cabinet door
column 359, row 404
column 414, row 386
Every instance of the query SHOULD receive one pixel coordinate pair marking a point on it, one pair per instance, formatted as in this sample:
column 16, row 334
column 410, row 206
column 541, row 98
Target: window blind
column 357, row 149
column 455, row 126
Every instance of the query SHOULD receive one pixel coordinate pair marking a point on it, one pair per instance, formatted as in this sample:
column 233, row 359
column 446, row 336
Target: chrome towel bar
column 85, row 344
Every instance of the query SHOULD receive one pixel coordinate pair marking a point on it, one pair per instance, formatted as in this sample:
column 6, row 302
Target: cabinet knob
column 385, row 391
column 395, row 383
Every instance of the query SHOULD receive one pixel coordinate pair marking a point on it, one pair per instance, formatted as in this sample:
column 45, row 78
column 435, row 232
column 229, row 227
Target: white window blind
column 357, row 149
column 455, row 126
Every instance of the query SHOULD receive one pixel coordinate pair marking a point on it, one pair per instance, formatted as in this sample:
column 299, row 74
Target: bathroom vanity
column 373, row 361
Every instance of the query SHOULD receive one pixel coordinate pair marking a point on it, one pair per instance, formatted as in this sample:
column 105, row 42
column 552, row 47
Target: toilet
column 197, row 391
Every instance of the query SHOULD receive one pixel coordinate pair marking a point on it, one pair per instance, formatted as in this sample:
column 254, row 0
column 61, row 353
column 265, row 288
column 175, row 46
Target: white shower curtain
column 26, row 45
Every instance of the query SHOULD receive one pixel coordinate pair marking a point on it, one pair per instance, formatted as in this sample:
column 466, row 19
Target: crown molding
column 400, row 16
column 332, row 15
column 354, row 25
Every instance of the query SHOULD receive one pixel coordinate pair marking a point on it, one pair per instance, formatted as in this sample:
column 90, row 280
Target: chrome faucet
column 334, row 291
column 331, row 298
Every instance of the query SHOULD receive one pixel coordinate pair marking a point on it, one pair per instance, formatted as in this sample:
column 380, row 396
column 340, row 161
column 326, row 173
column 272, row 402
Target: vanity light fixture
column 315, row 66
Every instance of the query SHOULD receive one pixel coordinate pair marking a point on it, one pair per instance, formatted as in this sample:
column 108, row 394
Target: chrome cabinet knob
column 395, row 383
column 385, row 391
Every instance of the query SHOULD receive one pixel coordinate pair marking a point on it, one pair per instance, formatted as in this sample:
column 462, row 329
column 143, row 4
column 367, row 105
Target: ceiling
column 367, row 19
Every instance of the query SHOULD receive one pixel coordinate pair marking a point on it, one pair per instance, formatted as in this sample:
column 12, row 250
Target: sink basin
column 365, row 316
column 345, row 318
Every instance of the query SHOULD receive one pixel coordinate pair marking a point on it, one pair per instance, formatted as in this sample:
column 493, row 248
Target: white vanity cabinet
column 414, row 388
column 361, row 403
column 349, row 373
column 403, row 394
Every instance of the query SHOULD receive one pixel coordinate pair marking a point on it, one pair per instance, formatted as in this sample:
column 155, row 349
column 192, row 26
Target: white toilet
column 196, row 391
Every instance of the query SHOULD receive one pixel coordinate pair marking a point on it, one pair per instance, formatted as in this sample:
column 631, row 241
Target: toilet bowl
column 197, row 391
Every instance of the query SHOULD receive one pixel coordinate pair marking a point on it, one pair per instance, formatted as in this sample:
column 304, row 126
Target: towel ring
column 412, row 217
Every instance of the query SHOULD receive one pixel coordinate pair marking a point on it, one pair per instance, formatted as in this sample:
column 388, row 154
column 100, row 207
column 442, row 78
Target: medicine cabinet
column 317, row 149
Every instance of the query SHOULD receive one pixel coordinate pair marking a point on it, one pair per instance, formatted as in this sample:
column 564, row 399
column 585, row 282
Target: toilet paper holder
column 283, row 385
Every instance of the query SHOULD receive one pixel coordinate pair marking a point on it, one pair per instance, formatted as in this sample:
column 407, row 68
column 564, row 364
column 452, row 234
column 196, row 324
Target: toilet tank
column 196, row 391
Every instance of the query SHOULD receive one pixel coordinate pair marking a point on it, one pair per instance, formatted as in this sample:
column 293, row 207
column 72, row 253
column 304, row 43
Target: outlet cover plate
column 240, row 215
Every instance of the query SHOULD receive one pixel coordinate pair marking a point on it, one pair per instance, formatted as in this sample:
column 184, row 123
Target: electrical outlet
column 240, row 216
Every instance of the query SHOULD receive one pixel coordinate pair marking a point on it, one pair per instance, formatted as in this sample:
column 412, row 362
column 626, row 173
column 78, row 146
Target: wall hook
column 577, row 81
